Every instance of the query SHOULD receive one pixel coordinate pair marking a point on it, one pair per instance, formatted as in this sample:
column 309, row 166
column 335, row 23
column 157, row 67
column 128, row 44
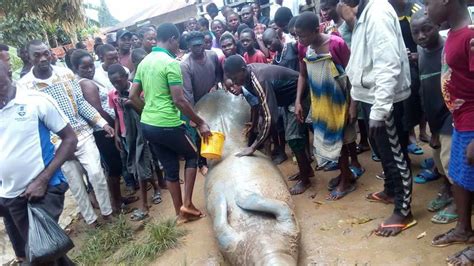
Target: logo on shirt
column 21, row 110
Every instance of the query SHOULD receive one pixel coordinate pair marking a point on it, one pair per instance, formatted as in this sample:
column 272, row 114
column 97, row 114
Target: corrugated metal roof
column 160, row 8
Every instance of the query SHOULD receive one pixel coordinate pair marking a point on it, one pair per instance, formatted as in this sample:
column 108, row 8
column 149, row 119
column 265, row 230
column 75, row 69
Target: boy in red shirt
column 252, row 55
column 458, row 91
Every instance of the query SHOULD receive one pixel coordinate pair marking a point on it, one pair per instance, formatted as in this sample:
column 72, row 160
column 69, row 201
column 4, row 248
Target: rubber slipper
column 361, row 149
column 465, row 239
column 373, row 197
column 337, row 195
column 356, row 171
column 444, row 217
column 138, row 215
column 415, row 149
column 294, row 177
column 425, row 139
column 380, row 176
column 438, row 203
column 129, row 200
column 156, row 198
column 463, row 257
column 427, row 163
column 334, row 182
column 375, row 158
column 425, row 176
column 331, row 166
column 403, row 227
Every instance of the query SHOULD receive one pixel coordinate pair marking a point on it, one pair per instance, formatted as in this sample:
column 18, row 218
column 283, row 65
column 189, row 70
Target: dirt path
column 329, row 236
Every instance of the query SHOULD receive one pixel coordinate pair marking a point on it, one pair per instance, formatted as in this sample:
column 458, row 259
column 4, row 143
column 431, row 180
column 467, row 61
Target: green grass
column 158, row 238
column 103, row 242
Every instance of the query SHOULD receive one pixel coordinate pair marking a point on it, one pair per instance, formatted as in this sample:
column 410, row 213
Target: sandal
column 337, row 195
column 374, row 197
column 362, row 148
column 444, row 217
column 425, row 176
column 156, row 198
column 449, row 238
column 331, row 166
column 129, row 200
column 138, row 215
column 427, row 163
column 380, row 176
column 463, row 257
column 375, row 158
column 334, row 182
column 356, row 171
column 402, row 227
column 415, row 149
column 438, row 203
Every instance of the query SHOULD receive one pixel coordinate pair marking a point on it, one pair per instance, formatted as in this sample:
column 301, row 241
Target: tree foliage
column 24, row 20
column 105, row 18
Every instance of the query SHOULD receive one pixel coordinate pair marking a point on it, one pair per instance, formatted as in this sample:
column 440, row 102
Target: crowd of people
column 359, row 76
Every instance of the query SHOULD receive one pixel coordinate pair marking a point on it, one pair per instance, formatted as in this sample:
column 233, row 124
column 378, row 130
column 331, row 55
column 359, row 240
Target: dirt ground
column 332, row 233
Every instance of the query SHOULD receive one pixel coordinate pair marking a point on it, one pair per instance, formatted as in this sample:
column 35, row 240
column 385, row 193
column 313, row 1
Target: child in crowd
column 233, row 22
column 251, row 55
column 333, row 124
column 430, row 46
column 139, row 159
column 457, row 79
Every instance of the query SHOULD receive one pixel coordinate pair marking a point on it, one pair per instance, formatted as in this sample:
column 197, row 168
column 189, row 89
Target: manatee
column 246, row 197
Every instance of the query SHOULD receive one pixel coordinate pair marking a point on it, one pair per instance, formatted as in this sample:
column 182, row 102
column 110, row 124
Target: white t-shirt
column 26, row 123
column 102, row 77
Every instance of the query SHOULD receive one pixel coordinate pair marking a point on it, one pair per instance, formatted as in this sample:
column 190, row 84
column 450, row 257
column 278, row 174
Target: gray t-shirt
column 200, row 77
column 439, row 118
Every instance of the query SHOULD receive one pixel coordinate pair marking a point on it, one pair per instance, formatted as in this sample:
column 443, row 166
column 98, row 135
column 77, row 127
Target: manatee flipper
column 226, row 235
column 281, row 210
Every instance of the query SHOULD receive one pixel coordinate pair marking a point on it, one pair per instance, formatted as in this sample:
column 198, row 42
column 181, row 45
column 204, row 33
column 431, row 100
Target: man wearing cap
column 201, row 72
column 124, row 41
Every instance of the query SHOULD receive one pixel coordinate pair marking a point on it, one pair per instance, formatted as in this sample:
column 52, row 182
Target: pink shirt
column 258, row 57
column 114, row 102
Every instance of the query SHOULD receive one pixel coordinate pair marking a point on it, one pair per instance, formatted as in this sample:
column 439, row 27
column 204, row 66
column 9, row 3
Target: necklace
column 278, row 60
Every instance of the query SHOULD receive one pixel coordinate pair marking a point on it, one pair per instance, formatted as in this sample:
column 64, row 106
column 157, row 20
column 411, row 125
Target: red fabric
column 301, row 51
column 458, row 79
column 258, row 57
column 339, row 50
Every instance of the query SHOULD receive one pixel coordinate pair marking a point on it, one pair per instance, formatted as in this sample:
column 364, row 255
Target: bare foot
column 203, row 170
column 191, row 211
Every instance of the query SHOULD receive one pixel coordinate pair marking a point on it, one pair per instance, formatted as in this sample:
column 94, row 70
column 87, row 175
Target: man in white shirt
column 61, row 85
column 29, row 165
column 380, row 76
column 109, row 57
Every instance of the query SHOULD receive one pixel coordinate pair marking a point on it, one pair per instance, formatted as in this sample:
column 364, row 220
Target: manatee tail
column 281, row 210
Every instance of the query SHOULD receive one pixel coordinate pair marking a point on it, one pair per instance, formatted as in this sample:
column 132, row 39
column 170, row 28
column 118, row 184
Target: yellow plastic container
column 213, row 149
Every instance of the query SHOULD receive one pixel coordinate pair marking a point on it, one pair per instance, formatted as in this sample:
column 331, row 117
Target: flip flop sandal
column 129, row 200
column 331, row 166
column 380, row 176
column 425, row 140
column 427, row 163
column 337, row 195
column 444, row 217
column 156, row 198
column 403, row 227
column 446, row 236
column 438, row 204
column 356, row 171
column 138, row 215
column 294, row 177
column 375, row 158
column 415, row 149
column 334, row 182
column 425, row 176
column 373, row 197
column 361, row 149
column 125, row 210
column 465, row 256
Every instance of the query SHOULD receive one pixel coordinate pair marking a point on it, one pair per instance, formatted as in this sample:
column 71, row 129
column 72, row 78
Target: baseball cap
column 121, row 33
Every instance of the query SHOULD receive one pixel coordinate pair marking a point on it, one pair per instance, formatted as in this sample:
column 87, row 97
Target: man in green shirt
column 159, row 78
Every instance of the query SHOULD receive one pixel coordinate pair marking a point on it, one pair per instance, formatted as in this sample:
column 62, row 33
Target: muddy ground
column 332, row 233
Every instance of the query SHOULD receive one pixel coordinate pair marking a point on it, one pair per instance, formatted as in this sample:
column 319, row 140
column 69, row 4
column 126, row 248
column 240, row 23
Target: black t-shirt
column 288, row 57
column 438, row 116
column 404, row 18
